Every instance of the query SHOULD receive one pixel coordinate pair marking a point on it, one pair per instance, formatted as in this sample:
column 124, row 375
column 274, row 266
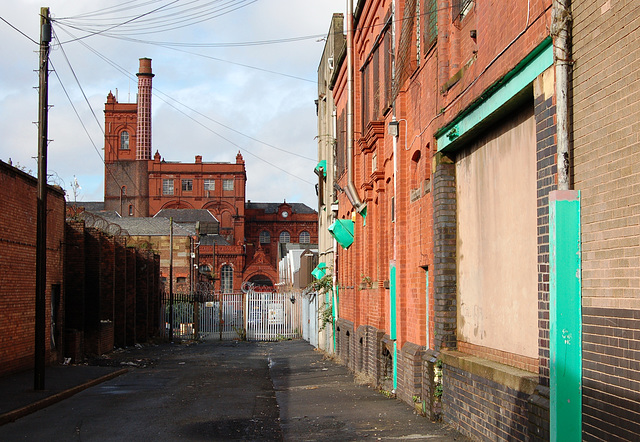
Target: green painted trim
column 395, row 366
column 565, row 316
column 334, row 312
column 426, row 313
column 392, row 300
column 392, row 320
column 534, row 64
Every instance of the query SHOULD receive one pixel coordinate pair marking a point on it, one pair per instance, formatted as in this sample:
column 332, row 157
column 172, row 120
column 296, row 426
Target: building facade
column 485, row 169
column 140, row 184
column 606, row 171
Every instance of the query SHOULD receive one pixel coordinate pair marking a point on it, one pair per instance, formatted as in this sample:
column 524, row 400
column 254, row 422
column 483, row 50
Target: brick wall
column 483, row 409
column 130, row 297
column 444, row 273
column 120, row 291
column 611, row 374
column 410, row 372
column 606, row 111
column 344, row 333
column 18, row 198
column 74, row 275
column 142, row 296
column 606, row 170
column 110, row 284
column 546, row 148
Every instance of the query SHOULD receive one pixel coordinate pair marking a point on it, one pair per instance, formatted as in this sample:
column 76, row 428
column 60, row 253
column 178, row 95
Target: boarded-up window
column 497, row 238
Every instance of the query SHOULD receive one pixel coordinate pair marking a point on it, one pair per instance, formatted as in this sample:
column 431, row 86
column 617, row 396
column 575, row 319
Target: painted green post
column 334, row 312
column 565, row 316
column 392, row 320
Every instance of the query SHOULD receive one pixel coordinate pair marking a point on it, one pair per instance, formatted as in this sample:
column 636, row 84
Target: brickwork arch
column 177, row 204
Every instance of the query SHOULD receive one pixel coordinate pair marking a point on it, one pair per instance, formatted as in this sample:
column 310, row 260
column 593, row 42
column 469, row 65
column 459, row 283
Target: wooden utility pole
column 41, row 228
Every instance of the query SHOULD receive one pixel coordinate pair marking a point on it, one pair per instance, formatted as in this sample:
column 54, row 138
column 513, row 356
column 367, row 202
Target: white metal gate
column 273, row 316
column 234, row 316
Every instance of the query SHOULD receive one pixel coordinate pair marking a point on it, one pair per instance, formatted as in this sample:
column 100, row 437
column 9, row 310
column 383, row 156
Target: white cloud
column 276, row 109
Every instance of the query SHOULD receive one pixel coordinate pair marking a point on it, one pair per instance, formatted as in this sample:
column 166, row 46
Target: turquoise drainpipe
column 334, row 312
column 392, row 325
column 565, row 316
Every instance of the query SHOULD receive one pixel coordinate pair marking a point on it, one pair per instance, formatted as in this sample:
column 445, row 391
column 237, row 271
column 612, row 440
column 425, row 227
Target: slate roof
column 89, row 206
column 187, row 215
column 273, row 207
column 218, row 240
column 150, row 227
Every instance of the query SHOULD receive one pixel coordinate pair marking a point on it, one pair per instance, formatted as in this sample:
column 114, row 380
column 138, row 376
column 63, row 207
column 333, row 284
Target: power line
column 19, row 31
column 132, row 77
column 244, row 149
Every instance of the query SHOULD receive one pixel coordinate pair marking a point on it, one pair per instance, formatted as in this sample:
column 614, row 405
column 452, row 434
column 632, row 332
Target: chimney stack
column 143, row 141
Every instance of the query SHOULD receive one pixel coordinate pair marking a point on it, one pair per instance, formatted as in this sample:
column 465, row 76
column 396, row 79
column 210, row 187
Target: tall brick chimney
column 143, row 141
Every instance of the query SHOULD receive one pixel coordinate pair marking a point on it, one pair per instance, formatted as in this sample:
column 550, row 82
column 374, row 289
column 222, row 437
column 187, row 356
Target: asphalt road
column 227, row 391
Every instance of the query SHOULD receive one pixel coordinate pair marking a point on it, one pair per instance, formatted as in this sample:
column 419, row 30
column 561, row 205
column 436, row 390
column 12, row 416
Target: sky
column 230, row 75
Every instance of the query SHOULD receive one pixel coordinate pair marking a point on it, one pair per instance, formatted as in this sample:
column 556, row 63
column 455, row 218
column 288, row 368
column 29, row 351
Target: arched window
column 265, row 237
column 226, row 278
column 305, row 237
column 124, row 140
column 285, row 237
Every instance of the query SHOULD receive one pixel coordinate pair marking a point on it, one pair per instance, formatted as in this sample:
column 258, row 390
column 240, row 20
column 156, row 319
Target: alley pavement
column 208, row 391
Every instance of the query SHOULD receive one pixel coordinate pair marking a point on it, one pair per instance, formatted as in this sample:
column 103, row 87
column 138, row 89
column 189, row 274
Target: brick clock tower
column 128, row 149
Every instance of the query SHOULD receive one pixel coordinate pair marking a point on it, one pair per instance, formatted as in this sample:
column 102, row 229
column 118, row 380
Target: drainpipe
column 561, row 21
column 565, row 257
column 352, row 193
column 392, row 272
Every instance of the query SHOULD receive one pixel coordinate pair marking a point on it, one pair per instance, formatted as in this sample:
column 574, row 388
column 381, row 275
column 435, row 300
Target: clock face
column 285, row 214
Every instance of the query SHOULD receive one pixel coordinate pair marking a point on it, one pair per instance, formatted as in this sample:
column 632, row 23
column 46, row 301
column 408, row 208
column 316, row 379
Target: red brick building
column 139, row 184
column 437, row 131
column 18, row 197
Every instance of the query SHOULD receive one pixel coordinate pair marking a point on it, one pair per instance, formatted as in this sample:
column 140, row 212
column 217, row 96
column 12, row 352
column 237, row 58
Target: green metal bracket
column 342, row 230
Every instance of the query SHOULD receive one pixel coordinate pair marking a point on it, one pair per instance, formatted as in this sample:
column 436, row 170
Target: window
column 285, row 237
column 305, row 238
column 227, row 184
column 124, row 140
column 209, row 185
column 187, row 185
column 460, row 8
column 226, row 278
column 130, row 209
column 167, row 186
column 430, row 24
column 265, row 237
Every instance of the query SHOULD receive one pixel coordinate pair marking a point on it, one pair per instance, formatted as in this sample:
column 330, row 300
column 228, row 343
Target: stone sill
column 510, row 377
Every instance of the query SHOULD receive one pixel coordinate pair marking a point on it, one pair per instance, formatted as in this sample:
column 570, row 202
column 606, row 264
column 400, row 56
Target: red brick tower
column 128, row 149
column 145, row 76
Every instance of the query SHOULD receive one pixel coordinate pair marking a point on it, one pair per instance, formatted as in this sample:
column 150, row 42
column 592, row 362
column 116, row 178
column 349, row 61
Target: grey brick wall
column 606, row 147
column 606, row 120
column 611, row 374
column 483, row 409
